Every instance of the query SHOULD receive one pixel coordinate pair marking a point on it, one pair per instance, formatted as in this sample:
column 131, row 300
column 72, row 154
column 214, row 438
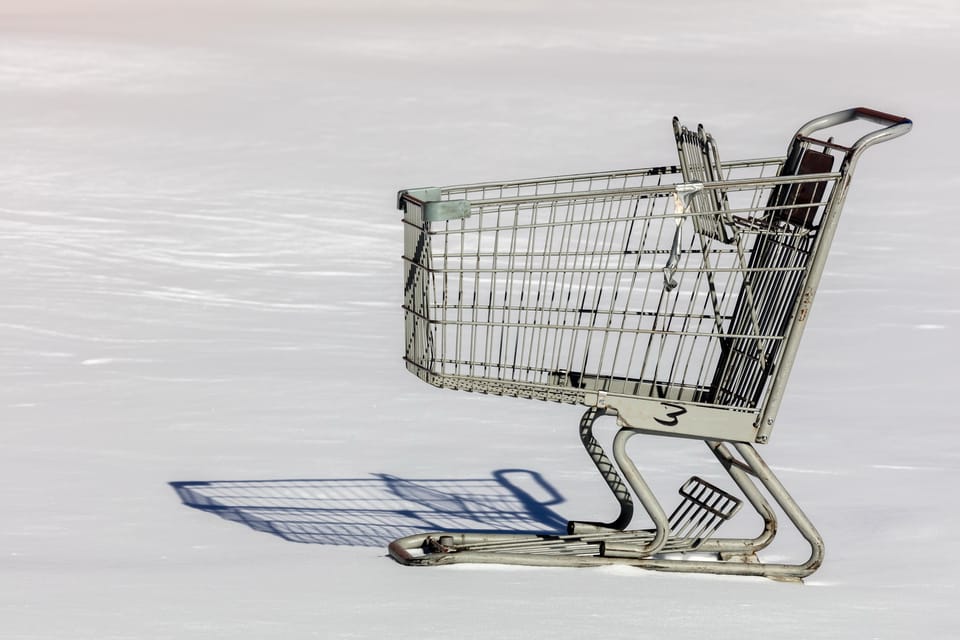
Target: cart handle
column 895, row 127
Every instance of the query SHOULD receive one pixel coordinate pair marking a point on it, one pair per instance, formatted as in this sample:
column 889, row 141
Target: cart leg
column 740, row 473
column 759, row 469
column 647, row 549
column 660, row 534
column 610, row 475
column 642, row 491
column 738, row 556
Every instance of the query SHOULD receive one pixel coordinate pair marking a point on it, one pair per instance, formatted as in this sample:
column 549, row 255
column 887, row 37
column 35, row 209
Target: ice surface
column 201, row 283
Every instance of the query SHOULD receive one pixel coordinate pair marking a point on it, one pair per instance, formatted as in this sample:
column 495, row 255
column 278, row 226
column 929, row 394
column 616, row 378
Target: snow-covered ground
column 200, row 278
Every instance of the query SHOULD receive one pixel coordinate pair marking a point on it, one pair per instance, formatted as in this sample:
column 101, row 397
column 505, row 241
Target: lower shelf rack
column 703, row 508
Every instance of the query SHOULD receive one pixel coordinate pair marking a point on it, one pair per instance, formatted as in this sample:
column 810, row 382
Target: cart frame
column 672, row 298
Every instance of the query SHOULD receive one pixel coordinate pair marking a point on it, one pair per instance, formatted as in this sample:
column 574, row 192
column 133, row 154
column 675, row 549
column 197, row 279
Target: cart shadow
column 374, row 511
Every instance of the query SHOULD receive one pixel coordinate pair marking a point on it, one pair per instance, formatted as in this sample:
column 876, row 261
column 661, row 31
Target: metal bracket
column 681, row 204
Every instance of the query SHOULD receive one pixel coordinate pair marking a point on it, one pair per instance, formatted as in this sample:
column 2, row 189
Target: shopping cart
column 672, row 298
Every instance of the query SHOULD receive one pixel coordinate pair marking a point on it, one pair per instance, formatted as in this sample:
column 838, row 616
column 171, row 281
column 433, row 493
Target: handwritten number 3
column 672, row 415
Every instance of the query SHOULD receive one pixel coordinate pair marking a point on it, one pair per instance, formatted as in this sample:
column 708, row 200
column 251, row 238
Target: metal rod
column 610, row 476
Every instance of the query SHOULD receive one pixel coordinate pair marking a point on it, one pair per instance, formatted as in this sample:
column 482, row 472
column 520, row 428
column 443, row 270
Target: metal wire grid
column 549, row 295
column 704, row 508
column 700, row 162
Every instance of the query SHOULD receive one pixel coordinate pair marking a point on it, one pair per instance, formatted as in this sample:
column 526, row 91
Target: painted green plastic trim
column 444, row 210
column 435, row 209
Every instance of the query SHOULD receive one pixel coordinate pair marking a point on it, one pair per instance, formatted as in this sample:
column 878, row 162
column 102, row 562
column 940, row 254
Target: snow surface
column 201, row 284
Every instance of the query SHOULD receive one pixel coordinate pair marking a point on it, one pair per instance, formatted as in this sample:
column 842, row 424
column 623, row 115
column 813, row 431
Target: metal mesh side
column 556, row 295
column 550, row 296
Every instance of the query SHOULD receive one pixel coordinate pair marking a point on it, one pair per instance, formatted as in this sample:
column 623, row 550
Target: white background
column 200, row 280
